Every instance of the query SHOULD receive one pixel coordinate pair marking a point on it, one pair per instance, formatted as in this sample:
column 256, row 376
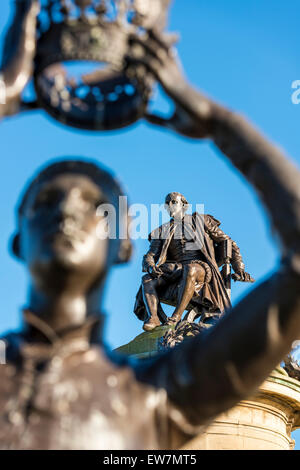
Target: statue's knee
column 196, row 272
column 146, row 279
column 191, row 271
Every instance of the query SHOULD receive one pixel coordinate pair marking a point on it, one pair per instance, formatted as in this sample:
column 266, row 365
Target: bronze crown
column 95, row 31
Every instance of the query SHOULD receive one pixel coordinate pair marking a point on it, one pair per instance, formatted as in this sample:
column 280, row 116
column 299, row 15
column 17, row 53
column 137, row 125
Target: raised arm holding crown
column 18, row 56
column 271, row 312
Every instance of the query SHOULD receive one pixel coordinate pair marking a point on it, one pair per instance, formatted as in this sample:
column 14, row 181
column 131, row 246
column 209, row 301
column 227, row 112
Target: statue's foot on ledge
column 172, row 321
column 150, row 324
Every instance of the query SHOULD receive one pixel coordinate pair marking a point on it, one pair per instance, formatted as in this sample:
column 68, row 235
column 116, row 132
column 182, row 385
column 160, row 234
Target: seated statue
column 182, row 269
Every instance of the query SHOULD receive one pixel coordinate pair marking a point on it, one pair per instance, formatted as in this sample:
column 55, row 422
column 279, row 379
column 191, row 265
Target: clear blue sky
column 243, row 53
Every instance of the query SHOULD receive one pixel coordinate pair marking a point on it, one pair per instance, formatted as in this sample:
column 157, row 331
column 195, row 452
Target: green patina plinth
column 146, row 344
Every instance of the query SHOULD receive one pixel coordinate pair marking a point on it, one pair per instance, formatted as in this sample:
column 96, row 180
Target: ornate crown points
column 143, row 13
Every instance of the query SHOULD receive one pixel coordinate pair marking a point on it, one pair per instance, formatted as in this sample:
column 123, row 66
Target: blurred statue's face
column 60, row 229
column 175, row 207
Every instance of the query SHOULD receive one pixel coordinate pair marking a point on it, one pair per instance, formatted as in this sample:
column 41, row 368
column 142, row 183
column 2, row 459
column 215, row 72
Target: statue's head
column 176, row 205
column 61, row 234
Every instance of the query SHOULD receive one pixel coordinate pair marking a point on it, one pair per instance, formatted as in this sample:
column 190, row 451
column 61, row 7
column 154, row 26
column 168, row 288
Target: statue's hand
column 242, row 276
column 19, row 51
column 154, row 54
column 154, row 271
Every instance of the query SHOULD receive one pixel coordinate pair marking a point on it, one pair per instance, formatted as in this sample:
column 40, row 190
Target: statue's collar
column 185, row 218
column 38, row 332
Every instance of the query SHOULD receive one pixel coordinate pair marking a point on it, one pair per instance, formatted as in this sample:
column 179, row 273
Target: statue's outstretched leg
column 151, row 300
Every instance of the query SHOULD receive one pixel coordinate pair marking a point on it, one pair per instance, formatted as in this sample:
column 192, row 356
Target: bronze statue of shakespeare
column 182, row 268
column 59, row 388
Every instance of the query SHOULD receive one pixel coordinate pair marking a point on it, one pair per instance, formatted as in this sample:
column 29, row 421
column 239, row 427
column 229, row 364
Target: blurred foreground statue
column 182, row 266
column 59, row 388
column 93, row 35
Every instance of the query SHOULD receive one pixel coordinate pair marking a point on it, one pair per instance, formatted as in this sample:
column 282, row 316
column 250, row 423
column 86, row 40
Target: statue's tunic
column 68, row 394
column 179, row 253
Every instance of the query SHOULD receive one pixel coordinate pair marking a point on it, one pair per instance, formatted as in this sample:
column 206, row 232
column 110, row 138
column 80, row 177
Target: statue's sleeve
column 217, row 235
column 152, row 255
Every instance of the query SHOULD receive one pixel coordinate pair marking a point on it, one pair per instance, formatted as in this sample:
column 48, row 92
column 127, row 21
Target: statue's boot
column 173, row 320
column 151, row 323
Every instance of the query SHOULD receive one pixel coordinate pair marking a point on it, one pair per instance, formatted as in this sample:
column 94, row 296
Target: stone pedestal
column 262, row 422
